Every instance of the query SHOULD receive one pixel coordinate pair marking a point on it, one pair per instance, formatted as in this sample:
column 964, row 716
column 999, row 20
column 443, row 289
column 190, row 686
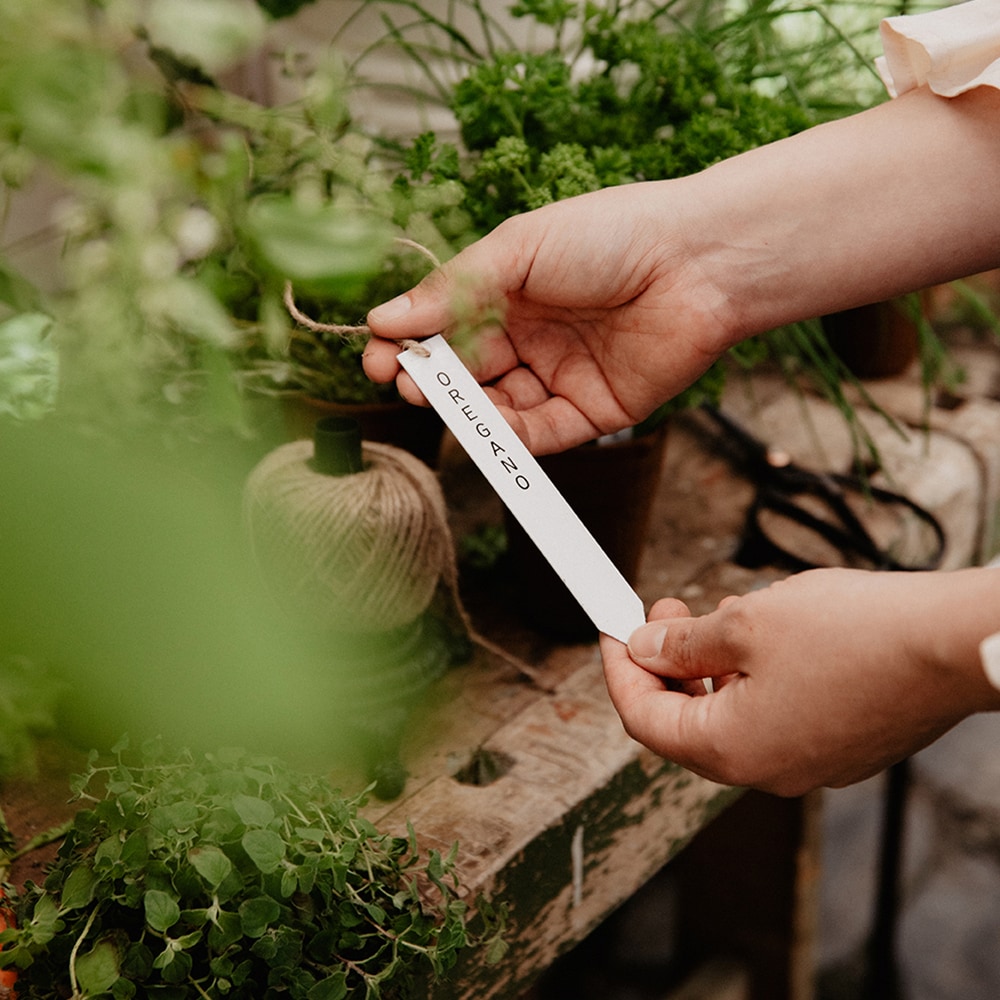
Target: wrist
column 747, row 240
column 852, row 211
column 962, row 620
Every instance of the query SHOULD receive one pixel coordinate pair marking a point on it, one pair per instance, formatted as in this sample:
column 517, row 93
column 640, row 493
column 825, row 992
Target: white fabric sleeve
column 950, row 50
column 989, row 653
column 989, row 648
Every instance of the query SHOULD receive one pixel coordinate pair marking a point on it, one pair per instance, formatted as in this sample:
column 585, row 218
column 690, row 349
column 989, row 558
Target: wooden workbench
column 556, row 812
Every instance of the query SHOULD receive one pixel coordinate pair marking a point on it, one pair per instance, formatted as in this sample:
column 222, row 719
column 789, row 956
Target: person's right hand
column 824, row 678
column 602, row 314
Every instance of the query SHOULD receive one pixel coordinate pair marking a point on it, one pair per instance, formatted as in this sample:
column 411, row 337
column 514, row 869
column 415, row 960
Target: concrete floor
column 948, row 946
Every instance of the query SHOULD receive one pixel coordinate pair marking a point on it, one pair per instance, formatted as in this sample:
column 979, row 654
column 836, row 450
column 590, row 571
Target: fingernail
column 391, row 310
column 647, row 641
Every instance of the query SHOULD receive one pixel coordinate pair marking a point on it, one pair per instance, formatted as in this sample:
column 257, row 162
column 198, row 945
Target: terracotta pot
column 612, row 488
column 875, row 341
column 416, row 429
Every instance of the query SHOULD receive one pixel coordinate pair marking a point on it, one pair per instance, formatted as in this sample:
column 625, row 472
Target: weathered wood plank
column 583, row 818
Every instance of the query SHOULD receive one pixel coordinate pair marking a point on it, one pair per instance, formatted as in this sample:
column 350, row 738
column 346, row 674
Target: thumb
column 678, row 647
column 423, row 310
column 466, row 287
column 460, row 286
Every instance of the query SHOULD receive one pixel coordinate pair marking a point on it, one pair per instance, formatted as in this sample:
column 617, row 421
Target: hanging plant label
column 549, row 521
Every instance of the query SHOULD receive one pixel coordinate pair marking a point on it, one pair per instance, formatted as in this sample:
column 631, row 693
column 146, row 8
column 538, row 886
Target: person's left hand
column 605, row 315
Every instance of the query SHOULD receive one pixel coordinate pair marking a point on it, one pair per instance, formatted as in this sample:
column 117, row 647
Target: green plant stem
column 43, row 839
column 76, row 949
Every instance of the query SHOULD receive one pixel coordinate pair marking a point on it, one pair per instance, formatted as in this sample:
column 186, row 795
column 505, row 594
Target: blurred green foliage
column 181, row 208
column 27, row 711
column 125, row 574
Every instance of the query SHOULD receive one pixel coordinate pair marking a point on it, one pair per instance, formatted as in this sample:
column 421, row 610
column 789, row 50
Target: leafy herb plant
column 231, row 876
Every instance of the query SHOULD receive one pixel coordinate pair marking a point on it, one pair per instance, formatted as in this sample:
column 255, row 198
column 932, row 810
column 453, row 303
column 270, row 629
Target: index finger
column 380, row 359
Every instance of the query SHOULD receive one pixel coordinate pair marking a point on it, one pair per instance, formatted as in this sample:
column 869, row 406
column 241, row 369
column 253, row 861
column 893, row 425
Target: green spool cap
column 337, row 446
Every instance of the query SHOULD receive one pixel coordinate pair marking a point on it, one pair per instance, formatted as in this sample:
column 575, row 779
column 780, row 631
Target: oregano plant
column 232, row 876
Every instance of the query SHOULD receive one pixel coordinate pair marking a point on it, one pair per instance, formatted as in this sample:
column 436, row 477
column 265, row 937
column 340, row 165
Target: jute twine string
column 359, row 329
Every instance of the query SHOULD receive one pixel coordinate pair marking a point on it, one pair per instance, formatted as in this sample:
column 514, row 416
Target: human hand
column 824, row 678
column 602, row 315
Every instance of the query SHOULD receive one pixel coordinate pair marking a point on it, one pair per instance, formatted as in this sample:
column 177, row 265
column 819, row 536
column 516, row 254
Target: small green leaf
column 174, row 818
column 227, row 931
column 265, row 848
column 253, row 811
column 165, row 957
column 162, row 911
column 186, row 941
column 257, row 914
column 178, row 969
column 78, row 889
column 135, row 850
column 197, row 917
column 332, row 988
column 312, row 833
column 98, row 969
column 242, row 972
column 123, row 989
column 265, row 947
column 45, row 922
column 108, row 852
column 496, row 951
column 321, row 246
column 211, row 864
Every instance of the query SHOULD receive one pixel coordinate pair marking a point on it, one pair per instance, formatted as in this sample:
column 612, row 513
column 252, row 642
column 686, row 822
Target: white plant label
column 549, row 521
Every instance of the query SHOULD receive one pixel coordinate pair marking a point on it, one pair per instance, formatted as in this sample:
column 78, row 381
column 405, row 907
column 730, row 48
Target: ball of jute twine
column 359, row 553
column 366, row 552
